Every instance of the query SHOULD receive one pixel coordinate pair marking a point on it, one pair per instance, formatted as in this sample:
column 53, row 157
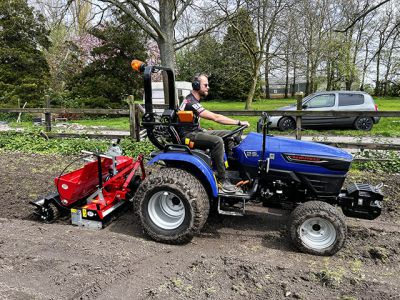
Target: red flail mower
column 93, row 193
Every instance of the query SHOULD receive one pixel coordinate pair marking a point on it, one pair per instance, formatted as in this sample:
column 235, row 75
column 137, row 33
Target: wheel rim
column 166, row 210
column 317, row 233
column 287, row 124
column 364, row 123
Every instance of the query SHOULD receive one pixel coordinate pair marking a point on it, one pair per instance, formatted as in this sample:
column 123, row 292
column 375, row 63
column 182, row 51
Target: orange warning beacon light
column 138, row 65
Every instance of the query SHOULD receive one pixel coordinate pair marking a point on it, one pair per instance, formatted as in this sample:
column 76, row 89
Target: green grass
column 121, row 123
column 387, row 127
column 388, row 103
column 261, row 105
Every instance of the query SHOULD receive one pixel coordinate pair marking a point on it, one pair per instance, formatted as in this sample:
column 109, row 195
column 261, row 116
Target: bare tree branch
column 383, row 43
column 189, row 39
column 148, row 28
column 148, row 8
column 179, row 13
column 147, row 15
column 362, row 15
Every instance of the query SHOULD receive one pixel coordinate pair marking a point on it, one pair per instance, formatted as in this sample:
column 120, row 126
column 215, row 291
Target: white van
column 183, row 89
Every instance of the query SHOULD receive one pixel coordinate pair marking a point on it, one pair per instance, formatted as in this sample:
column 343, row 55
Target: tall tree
column 389, row 58
column 70, row 49
column 23, row 69
column 159, row 19
column 263, row 18
column 205, row 56
column 237, row 69
column 385, row 30
column 267, row 20
column 108, row 79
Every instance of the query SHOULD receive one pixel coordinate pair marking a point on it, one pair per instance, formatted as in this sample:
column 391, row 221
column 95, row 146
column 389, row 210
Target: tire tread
column 318, row 209
column 193, row 190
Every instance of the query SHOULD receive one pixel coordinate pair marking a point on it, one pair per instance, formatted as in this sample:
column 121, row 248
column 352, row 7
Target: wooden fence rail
column 126, row 112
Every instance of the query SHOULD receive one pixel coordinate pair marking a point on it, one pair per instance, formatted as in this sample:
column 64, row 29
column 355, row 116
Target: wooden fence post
column 132, row 117
column 137, row 122
column 299, row 98
column 47, row 115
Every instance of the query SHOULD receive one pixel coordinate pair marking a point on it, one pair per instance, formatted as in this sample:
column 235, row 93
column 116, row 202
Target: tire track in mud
column 374, row 225
column 96, row 289
column 140, row 271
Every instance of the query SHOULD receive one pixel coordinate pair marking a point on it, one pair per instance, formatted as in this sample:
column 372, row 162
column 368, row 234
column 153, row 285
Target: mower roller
column 93, row 193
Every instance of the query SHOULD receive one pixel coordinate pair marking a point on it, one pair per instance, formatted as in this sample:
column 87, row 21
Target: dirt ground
column 233, row 258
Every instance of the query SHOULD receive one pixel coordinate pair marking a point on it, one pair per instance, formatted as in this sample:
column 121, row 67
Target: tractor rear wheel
column 317, row 228
column 172, row 206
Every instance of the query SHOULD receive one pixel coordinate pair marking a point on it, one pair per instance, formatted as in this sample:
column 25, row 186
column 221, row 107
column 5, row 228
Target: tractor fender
column 195, row 161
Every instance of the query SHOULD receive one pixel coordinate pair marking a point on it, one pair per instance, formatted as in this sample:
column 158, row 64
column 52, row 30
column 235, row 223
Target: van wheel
column 363, row 123
column 286, row 123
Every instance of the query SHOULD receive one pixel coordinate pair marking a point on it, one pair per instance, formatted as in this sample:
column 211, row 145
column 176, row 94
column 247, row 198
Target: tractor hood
column 293, row 155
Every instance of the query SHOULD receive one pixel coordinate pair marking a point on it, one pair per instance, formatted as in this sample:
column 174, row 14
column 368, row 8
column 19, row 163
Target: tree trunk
column 250, row 95
column 294, row 81
column 389, row 65
column 364, row 68
column 350, row 59
column 348, row 84
column 287, row 77
column 313, row 75
column 267, row 93
column 307, row 92
column 378, row 84
column 328, row 76
column 166, row 42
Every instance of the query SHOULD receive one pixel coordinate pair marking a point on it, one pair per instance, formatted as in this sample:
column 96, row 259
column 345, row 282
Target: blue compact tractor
column 174, row 202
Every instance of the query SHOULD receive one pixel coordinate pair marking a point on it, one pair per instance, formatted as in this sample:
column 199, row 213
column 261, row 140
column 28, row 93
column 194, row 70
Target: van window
column 321, row 101
column 350, row 99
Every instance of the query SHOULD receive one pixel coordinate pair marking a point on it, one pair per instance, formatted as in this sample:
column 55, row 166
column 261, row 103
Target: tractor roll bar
column 148, row 95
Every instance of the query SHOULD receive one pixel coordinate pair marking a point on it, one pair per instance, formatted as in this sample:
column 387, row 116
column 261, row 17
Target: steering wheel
column 235, row 131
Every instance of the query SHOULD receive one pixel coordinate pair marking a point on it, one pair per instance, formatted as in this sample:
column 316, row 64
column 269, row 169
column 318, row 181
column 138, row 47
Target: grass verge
column 32, row 142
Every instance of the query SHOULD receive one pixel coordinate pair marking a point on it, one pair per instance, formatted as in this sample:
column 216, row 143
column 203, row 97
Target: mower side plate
column 77, row 219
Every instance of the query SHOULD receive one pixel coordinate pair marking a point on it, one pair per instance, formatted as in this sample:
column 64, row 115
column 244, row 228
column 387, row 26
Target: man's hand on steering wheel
column 242, row 126
column 243, row 123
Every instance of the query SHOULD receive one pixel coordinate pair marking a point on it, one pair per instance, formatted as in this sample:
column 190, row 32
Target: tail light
column 376, row 107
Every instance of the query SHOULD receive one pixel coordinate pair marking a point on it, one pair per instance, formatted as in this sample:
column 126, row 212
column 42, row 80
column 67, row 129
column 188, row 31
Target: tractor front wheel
column 317, row 228
column 172, row 206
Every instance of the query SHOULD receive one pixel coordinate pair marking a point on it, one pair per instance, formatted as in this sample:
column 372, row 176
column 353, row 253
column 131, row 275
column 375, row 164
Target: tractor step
column 237, row 209
column 239, row 195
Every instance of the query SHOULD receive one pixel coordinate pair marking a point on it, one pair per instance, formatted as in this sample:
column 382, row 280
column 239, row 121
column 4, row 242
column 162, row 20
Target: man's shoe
column 227, row 187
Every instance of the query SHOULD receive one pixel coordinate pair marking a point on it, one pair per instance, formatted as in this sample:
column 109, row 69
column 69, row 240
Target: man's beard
column 203, row 94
